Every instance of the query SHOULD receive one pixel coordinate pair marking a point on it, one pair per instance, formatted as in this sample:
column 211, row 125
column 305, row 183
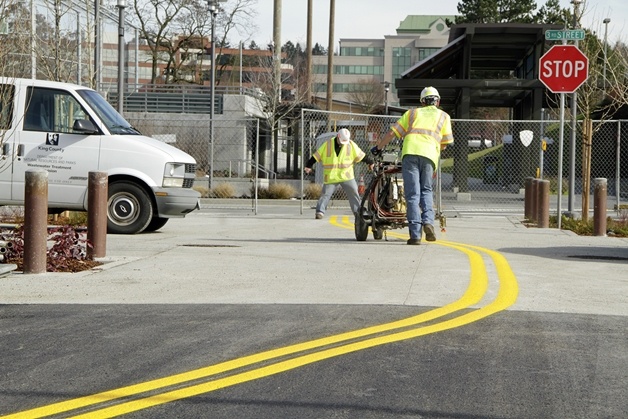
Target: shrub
column 312, row 191
column 223, row 190
column 281, row 191
column 277, row 190
column 203, row 190
column 68, row 252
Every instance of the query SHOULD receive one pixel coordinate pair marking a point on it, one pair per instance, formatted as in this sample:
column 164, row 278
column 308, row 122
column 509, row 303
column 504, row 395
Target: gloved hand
column 376, row 151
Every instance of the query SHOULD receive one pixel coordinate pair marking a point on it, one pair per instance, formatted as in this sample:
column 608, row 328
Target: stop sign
column 563, row 68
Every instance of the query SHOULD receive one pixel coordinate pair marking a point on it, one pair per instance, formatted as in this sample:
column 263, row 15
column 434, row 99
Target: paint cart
column 383, row 205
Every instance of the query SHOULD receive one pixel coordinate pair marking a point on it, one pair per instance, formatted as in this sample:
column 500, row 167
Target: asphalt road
column 230, row 315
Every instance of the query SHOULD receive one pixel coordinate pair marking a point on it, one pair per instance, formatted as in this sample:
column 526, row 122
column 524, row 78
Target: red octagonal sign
column 563, row 68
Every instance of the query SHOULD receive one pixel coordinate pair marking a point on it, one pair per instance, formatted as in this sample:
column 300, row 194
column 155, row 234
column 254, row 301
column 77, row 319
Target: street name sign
column 564, row 35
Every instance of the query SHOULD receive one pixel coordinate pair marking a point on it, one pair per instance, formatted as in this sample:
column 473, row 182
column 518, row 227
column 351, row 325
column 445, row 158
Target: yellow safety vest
column 424, row 131
column 338, row 168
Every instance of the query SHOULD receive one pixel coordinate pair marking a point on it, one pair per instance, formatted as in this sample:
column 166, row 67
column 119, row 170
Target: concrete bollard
column 543, row 201
column 599, row 206
column 35, row 221
column 97, row 192
column 527, row 198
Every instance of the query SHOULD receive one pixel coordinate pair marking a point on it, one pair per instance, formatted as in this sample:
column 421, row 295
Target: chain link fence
column 486, row 167
column 483, row 171
column 226, row 167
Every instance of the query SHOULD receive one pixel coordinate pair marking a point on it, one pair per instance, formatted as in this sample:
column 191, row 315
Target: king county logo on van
column 52, row 139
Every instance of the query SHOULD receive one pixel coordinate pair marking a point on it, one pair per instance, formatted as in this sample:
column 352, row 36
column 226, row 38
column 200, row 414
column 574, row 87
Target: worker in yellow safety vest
column 425, row 132
column 337, row 156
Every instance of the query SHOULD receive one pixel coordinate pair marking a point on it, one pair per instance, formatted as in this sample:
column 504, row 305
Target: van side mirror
column 85, row 126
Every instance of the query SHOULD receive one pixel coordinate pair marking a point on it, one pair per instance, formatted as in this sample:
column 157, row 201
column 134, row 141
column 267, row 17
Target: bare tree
column 281, row 111
column 157, row 25
column 369, row 94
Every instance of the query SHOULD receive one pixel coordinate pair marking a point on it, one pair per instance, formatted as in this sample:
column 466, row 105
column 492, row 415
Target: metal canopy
column 508, row 48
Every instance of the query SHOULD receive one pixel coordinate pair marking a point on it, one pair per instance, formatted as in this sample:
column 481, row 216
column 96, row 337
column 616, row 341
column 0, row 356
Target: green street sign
column 564, row 35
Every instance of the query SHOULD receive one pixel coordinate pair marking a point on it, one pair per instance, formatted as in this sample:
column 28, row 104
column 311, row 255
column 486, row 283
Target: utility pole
column 308, row 49
column 330, row 54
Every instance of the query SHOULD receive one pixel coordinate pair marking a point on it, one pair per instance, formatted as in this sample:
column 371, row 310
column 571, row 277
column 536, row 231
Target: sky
column 376, row 18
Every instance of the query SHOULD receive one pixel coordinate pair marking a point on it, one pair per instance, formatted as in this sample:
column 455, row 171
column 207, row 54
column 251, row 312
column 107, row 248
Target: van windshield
column 114, row 122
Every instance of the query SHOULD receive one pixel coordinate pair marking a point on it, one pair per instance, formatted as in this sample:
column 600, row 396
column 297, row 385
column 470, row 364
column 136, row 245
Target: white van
column 70, row 130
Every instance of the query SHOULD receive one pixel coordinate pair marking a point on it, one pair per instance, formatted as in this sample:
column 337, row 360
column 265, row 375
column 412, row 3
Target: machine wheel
column 129, row 209
column 378, row 233
column 156, row 223
column 361, row 229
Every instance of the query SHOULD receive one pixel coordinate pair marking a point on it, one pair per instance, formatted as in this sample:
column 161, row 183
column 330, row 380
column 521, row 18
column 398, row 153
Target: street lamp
column 606, row 22
column 213, row 10
column 386, row 90
column 121, row 5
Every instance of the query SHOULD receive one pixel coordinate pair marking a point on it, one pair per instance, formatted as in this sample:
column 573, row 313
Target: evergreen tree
column 510, row 11
column 318, row 49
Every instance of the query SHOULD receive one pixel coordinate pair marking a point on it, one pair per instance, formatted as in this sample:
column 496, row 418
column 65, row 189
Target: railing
column 177, row 98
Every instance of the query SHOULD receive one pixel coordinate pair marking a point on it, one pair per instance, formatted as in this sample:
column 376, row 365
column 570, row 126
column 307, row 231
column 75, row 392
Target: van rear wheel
column 129, row 209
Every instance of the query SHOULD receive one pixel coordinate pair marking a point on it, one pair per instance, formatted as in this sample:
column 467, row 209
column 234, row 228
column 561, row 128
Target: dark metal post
column 599, row 207
column 542, row 212
column 35, row 221
column 527, row 198
column 534, row 204
column 97, row 191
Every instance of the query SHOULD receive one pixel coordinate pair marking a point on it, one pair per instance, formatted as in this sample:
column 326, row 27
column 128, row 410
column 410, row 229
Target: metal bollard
column 599, row 207
column 527, row 198
column 534, row 194
column 35, row 221
column 97, row 191
column 543, row 201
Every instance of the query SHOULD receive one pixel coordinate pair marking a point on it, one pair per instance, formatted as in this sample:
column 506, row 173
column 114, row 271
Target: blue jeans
column 417, row 174
column 351, row 190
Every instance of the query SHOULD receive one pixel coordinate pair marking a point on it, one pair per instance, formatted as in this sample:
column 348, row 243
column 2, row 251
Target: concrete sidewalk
column 222, row 255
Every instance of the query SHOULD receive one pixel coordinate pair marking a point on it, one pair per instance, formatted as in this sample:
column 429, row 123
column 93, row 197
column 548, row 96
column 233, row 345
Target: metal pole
column 561, row 133
column 212, row 11
column 574, row 117
column 33, row 40
column 330, row 55
column 386, row 89
column 97, row 44
column 79, row 52
column 121, row 5
column 618, row 167
column 606, row 22
column 541, row 145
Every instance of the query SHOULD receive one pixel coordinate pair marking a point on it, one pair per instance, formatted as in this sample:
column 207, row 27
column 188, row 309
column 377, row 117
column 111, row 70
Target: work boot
column 414, row 242
column 430, row 236
column 319, row 216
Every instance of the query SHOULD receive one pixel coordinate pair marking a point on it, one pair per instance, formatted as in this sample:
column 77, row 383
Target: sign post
column 563, row 69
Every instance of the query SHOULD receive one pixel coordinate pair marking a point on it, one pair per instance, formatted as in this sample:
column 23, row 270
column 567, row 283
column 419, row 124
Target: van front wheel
column 129, row 209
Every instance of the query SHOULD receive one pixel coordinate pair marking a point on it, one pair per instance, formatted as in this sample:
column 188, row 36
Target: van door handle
column 5, row 149
column 20, row 150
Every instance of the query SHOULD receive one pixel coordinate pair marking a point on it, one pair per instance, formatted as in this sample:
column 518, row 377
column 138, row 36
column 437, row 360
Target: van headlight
column 174, row 174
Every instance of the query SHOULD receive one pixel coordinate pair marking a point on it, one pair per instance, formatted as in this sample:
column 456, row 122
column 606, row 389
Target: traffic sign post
column 563, row 68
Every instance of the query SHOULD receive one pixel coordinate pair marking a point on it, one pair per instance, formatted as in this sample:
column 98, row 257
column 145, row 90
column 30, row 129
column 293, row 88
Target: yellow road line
column 477, row 288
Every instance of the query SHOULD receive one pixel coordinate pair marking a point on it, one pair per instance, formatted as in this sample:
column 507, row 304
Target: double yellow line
column 169, row 389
